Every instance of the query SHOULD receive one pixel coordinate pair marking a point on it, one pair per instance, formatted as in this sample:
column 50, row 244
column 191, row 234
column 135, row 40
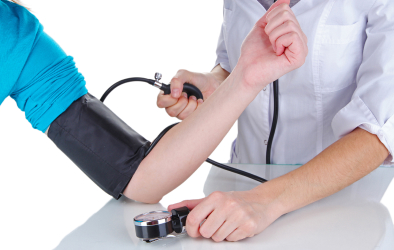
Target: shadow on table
column 349, row 219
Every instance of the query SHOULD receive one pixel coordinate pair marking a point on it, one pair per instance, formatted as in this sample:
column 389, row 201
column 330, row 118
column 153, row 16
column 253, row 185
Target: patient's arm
column 185, row 147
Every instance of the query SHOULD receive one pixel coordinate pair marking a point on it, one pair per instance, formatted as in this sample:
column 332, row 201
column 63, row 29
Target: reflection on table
column 353, row 218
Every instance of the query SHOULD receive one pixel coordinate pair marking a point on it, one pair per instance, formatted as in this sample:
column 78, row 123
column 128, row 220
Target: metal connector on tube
column 157, row 83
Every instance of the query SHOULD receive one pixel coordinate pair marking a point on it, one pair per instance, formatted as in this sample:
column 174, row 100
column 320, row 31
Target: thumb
column 190, row 204
column 181, row 77
column 176, row 86
column 263, row 20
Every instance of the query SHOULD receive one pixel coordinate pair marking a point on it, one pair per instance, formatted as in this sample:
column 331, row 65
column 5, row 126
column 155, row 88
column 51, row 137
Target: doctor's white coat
column 346, row 82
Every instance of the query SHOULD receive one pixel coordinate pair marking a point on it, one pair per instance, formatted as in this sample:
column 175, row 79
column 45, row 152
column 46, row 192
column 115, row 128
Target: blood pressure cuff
column 105, row 148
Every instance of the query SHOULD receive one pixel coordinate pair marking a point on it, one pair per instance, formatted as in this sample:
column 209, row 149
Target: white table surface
column 353, row 218
column 86, row 218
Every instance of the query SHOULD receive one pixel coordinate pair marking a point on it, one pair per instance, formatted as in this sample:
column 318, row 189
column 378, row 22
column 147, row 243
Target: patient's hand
column 275, row 46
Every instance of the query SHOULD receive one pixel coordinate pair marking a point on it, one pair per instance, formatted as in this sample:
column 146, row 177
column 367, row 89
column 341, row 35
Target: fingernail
column 193, row 97
column 175, row 93
column 184, row 94
column 200, row 100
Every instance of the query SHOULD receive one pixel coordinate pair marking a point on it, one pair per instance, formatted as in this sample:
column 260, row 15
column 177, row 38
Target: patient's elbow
column 144, row 199
column 141, row 194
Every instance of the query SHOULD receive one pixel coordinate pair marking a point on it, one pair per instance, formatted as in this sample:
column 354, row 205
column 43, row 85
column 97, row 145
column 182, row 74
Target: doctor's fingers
column 285, row 28
column 240, row 234
column 201, row 212
column 214, row 221
column 224, row 231
column 181, row 77
column 190, row 107
column 190, row 204
column 165, row 101
column 176, row 86
column 177, row 108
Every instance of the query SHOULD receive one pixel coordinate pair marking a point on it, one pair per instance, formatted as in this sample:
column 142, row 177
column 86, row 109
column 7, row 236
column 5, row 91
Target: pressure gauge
column 159, row 224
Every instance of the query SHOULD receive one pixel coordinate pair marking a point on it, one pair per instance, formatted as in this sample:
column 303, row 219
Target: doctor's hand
column 177, row 104
column 230, row 216
column 275, row 46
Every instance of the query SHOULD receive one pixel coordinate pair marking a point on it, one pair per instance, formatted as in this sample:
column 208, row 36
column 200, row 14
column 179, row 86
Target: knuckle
column 171, row 112
column 160, row 103
column 291, row 24
column 241, row 214
column 216, row 238
column 191, row 220
column 193, row 235
column 205, row 233
column 175, row 83
column 217, row 195
column 182, row 116
column 230, row 238
column 284, row 6
column 182, row 72
column 285, row 13
column 233, row 203
column 271, row 37
column 266, row 29
column 250, row 227
column 281, row 7
column 174, row 80
column 186, row 113
column 293, row 35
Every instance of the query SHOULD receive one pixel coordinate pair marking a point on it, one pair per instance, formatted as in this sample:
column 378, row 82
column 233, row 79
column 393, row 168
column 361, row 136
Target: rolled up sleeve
column 221, row 52
column 372, row 105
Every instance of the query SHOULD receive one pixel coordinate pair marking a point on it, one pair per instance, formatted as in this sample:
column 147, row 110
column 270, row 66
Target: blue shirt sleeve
column 34, row 70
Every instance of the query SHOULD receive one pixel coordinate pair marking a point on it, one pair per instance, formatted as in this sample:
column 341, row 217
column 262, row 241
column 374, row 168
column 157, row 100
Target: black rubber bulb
column 188, row 88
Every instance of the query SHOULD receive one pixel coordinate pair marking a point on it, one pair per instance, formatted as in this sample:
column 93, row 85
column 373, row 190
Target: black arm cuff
column 105, row 148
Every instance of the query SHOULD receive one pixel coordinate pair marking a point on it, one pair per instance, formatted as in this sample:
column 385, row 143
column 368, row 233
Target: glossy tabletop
column 353, row 218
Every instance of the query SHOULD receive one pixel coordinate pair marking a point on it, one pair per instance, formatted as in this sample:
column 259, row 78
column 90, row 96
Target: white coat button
column 265, row 142
column 264, row 89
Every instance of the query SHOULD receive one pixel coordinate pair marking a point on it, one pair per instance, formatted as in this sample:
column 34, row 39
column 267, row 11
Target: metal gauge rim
column 138, row 222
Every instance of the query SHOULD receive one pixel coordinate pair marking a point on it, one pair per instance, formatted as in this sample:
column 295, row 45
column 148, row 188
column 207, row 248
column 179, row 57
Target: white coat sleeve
column 221, row 52
column 372, row 105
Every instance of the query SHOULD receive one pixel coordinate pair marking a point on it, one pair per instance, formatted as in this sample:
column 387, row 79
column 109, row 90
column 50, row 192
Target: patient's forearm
column 186, row 146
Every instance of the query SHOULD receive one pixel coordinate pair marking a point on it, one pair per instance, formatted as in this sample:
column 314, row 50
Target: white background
column 109, row 40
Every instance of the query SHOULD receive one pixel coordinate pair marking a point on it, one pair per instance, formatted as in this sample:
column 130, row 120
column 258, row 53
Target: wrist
column 251, row 78
column 268, row 197
column 235, row 82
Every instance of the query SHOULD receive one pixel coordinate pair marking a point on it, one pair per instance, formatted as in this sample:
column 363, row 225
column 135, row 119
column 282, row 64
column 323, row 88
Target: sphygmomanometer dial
column 159, row 224
column 154, row 224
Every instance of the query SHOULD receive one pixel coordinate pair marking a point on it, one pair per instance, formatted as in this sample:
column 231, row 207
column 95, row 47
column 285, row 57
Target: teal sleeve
column 34, row 70
column 48, row 84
